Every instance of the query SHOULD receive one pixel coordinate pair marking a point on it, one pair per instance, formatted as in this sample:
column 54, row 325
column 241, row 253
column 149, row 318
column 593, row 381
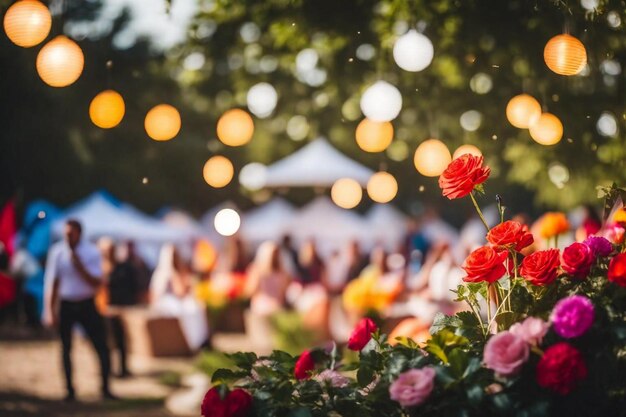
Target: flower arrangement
column 544, row 335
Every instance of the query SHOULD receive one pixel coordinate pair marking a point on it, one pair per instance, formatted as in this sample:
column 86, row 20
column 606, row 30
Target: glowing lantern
column 548, row 130
column 162, row 122
column 227, row 222
column 565, row 55
column 413, row 51
column 374, row 136
column 381, row 102
column 235, row 127
column 522, row 111
column 27, row 23
column 346, row 193
column 463, row 149
column 432, row 157
column 60, row 62
column 107, row 109
column 218, row 171
column 382, row 187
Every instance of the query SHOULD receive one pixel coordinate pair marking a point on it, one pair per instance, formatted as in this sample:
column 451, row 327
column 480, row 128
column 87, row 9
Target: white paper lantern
column 253, row 176
column 227, row 222
column 413, row 51
column 262, row 99
column 381, row 102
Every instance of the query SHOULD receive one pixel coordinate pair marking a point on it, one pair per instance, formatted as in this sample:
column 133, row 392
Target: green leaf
column 458, row 362
column 300, row 412
column 243, row 360
column 224, row 376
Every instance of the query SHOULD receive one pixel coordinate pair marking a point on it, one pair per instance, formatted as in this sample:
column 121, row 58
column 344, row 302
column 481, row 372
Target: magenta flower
column 572, row 316
column 506, row 353
column 600, row 246
column 413, row 387
column 532, row 330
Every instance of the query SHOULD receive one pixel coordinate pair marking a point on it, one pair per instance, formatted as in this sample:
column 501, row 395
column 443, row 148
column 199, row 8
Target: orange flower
column 620, row 216
column 553, row 224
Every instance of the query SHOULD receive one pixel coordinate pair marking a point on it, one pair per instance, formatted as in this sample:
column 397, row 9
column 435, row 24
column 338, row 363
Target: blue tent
column 36, row 231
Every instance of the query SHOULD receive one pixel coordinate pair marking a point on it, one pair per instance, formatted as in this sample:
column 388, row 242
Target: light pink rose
column 413, row 387
column 532, row 330
column 505, row 353
column 332, row 377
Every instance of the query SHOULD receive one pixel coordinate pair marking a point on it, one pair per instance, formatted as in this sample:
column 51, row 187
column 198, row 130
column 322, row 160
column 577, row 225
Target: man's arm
column 51, row 291
column 87, row 276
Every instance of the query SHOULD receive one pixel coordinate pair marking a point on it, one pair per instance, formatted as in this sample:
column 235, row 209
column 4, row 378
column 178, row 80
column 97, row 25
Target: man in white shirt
column 72, row 278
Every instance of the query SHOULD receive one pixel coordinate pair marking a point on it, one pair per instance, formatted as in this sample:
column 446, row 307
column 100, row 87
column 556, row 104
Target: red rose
column 577, row 259
column 304, row 365
column 560, row 368
column 617, row 270
column 484, row 264
column 236, row 403
column 541, row 268
column 462, row 175
column 362, row 334
column 510, row 234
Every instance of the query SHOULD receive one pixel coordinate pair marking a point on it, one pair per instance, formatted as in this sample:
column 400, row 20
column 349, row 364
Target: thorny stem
column 480, row 213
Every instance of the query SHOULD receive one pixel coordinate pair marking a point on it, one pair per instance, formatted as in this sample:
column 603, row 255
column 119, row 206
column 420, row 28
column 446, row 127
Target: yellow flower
column 552, row 224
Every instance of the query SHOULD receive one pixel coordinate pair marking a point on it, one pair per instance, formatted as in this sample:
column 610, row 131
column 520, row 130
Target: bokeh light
column 565, row 55
column 27, row 23
column 218, row 171
column 381, row 102
column 374, row 136
column 607, row 124
column 60, row 62
column 466, row 149
column 523, row 110
column 382, row 187
column 471, row 120
column 547, row 130
column 162, row 122
column 107, row 109
column 346, row 193
column 413, row 51
column 227, row 222
column 432, row 157
column 253, row 176
column 262, row 99
column 235, row 128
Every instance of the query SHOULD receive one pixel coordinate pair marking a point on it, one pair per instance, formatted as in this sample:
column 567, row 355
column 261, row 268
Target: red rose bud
column 617, row 270
column 485, row 264
column 236, row 403
column 577, row 260
column 561, row 368
column 304, row 366
column 510, row 234
column 361, row 334
column 541, row 268
column 462, row 176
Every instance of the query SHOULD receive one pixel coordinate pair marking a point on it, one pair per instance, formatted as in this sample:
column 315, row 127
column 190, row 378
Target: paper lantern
column 27, row 23
column 374, row 136
column 262, row 99
column 346, row 193
column 107, row 109
column 218, row 171
column 432, row 157
column 227, row 222
column 565, row 55
column 235, row 128
column 466, row 149
column 162, row 122
column 523, row 110
column 548, row 130
column 253, row 176
column 382, row 187
column 413, row 51
column 60, row 62
column 381, row 102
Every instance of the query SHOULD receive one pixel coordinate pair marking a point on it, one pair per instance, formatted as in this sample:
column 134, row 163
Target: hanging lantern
column 381, row 102
column 432, row 157
column 346, row 193
column 162, row 122
column 227, row 222
column 413, row 51
column 548, row 130
column 60, row 62
column 466, row 149
column 523, row 110
column 565, row 55
column 27, row 23
column 107, row 109
column 382, row 187
column 262, row 99
column 235, row 128
column 374, row 136
column 218, row 171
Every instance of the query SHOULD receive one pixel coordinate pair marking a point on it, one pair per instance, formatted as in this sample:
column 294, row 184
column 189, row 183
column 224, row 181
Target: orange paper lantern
column 346, row 193
column 432, row 157
column 466, row 149
column 374, row 136
column 60, row 62
column 382, row 187
column 548, row 130
column 565, row 55
column 162, row 122
column 218, row 171
column 27, row 23
column 235, row 127
column 107, row 109
column 523, row 110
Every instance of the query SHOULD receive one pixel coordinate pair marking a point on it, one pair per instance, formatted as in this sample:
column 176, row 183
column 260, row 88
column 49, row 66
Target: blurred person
column 292, row 263
column 73, row 276
column 312, row 268
column 268, row 281
column 356, row 261
column 171, row 295
column 141, row 271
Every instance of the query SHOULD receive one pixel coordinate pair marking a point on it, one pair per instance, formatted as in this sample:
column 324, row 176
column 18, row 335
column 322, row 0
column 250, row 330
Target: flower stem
column 479, row 211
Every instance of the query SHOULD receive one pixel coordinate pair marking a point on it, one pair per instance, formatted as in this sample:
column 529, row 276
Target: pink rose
column 505, row 353
column 333, row 378
column 532, row 330
column 413, row 387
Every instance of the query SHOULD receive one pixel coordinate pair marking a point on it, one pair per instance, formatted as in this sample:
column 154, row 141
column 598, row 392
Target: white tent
column 267, row 222
column 330, row 226
column 181, row 220
column 317, row 164
column 387, row 225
